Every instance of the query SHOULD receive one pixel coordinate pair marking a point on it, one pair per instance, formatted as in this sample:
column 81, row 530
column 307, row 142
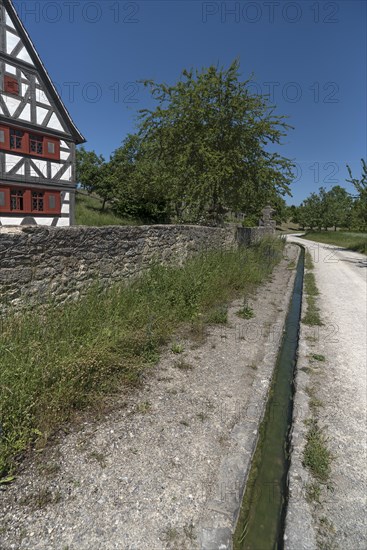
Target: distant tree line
column 201, row 154
column 335, row 208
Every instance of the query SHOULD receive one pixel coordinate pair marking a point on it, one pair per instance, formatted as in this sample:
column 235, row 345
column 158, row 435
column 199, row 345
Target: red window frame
column 17, row 195
column 36, row 142
column 37, row 201
column 19, row 140
column 11, row 85
column 26, row 143
column 28, row 204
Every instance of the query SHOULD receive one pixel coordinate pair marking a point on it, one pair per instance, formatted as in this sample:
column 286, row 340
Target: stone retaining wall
column 37, row 263
column 250, row 235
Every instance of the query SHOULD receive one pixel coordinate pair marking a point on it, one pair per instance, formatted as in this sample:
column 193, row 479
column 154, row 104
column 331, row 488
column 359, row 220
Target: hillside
column 88, row 211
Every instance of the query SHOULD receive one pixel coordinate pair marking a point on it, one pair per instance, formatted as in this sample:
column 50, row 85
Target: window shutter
column 11, row 85
column 4, row 199
column 53, row 202
column 4, row 138
column 51, row 148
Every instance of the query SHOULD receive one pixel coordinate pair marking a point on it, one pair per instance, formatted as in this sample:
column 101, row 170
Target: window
column 16, row 139
column 35, row 144
column 11, row 85
column 30, row 201
column 37, row 201
column 17, row 200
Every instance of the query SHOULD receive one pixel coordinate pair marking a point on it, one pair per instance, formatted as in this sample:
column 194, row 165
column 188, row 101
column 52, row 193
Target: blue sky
column 311, row 56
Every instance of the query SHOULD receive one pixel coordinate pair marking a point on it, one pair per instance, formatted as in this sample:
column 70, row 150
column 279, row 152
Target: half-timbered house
column 37, row 134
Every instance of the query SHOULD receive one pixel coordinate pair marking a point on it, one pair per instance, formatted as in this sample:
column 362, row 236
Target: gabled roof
column 45, row 77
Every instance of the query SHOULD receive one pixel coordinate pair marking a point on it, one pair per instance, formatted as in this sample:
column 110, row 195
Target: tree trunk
column 103, row 204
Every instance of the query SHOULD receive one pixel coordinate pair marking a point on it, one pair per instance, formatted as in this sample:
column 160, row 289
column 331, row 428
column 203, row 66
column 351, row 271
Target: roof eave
column 77, row 135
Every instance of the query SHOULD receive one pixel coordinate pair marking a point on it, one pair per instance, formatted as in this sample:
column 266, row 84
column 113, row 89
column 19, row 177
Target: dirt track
column 341, row 389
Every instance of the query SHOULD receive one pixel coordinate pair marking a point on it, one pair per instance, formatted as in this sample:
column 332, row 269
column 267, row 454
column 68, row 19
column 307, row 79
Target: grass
column 346, row 239
column 246, row 312
column 313, row 492
column 88, row 211
column 314, row 402
column 326, row 539
column 308, row 260
column 217, row 315
column 316, row 456
column 98, row 457
column 177, row 348
column 56, row 361
column 40, row 499
column 310, row 285
column 189, row 532
column 312, row 315
column 144, row 407
column 288, row 227
column 318, row 357
column 183, row 365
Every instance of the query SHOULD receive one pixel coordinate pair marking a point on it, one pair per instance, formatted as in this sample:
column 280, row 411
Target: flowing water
column 261, row 522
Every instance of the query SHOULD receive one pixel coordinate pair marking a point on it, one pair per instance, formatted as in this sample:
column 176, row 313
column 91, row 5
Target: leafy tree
column 88, row 168
column 203, row 147
column 203, row 151
column 281, row 210
column 310, row 212
column 139, row 192
column 326, row 209
column 95, row 175
column 107, row 184
column 360, row 185
column 293, row 213
column 338, row 208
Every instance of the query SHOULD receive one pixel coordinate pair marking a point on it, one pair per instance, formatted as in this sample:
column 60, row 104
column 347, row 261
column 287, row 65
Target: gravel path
column 340, row 388
column 166, row 469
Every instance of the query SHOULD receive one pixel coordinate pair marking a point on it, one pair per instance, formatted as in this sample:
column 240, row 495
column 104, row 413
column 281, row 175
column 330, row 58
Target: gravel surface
column 166, row 469
column 339, row 386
